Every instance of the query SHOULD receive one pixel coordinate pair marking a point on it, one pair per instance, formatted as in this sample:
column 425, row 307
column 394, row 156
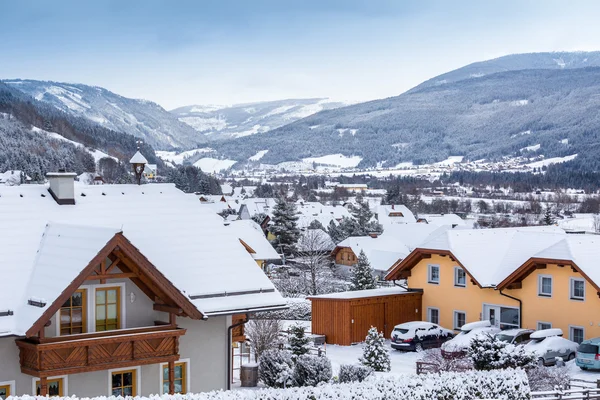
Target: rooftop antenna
column 138, row 162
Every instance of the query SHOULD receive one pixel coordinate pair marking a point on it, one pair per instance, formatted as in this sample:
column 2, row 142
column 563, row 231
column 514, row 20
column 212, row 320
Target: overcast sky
column 224, row 52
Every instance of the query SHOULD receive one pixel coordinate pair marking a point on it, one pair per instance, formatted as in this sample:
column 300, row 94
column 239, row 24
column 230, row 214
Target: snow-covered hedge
column 311, row 370
column 299, row 310
column 501, row 385
column 354, row 373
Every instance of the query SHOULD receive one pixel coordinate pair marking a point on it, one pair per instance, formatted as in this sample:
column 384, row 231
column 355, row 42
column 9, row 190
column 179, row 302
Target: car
column 548, row 345
column 419, row 335
column 459, row 345
column 515, row 336
column 588, row 354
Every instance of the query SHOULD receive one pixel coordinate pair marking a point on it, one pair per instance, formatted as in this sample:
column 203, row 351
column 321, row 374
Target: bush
column 311, row 370
column 489, row 353
column 276, row 368
column 299, row 310
column 548, row 378
column 440, row 363
column 375, row 354
column 354, row 373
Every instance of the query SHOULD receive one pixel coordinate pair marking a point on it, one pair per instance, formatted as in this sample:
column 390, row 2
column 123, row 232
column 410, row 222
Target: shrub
column 375, row 354
column 354, row 373
column 548, row 378
column 299, row 310
column 263, row 334
column 276, row 368
column 440, row 363
column 489, row 353
column 311, row 370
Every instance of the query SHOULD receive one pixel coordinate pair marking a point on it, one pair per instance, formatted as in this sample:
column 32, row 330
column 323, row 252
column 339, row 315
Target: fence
column 567, row 394
column 425, row 367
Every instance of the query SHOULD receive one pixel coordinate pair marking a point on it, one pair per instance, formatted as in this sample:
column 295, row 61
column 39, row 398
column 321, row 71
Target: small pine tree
column 375, row 353
column 548, row 218
column 298, row 342
column 362, row 274
column 285, row 226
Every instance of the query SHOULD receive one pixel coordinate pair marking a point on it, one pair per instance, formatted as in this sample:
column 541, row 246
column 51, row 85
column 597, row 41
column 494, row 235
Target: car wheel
column 584, row 368
column 571, row 357
column 418, row 347
column 541, row 362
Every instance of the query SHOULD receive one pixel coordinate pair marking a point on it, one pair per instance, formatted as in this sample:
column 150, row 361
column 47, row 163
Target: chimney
column 62, row 186
column 374, row 235
column 393, row 208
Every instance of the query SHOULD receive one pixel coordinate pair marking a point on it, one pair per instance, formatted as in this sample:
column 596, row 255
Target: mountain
column 538, row 109
column 222, row 122
column 140, row 118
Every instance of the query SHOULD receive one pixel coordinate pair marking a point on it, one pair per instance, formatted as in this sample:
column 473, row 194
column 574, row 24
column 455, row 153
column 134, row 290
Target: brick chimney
column 62, row 186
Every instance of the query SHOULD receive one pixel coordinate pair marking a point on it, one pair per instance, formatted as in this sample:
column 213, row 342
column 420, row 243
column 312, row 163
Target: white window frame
column 571, row 327
column 456, row 284
column 539, row 328
column 187, row 375
column 539, row 283
column 11, row 387
column 429, row 270
column 572, row 289
column 138, row 379
column 455, row 319
column 65, row 379
column 429, row 309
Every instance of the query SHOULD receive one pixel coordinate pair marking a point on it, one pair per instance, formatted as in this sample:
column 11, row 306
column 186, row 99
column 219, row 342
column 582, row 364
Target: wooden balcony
column 99, row 351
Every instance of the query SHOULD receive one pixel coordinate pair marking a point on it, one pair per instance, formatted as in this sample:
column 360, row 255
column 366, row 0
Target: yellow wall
column 449, row 298
column 559, row 309
column 260, row 263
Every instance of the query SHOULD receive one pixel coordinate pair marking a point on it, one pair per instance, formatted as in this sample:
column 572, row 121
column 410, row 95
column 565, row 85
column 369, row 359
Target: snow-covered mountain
column 140, row 118
column 224, row 122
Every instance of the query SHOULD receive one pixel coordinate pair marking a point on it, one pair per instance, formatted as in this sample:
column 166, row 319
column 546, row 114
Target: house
column 353, row 187
column 534, row 278
column 255, row 206
column 394, row 214
column 441, row 219
column 151, row 171
column 254, row 241
column 119, row 290
column 226, row 189
column 309, row 211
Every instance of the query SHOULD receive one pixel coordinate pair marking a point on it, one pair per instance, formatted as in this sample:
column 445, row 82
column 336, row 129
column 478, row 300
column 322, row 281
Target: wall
column 448, row 298
column 346, row 257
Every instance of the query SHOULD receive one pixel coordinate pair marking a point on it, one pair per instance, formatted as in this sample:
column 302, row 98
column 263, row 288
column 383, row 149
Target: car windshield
column 588, row 348
column 504, row 338
column 399, row 330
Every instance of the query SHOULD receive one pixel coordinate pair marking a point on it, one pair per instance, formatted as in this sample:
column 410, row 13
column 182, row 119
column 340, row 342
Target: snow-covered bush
column 354, row 373
column 311, row 370
column 298, row 310
column 439, row 363
column 298, row 342
column 488, row 352
column 547, row 378
column 276, row 368
column 375, row 353
column 263, row 334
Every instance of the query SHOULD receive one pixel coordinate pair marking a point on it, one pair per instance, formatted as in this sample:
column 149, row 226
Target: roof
column 384, row 218
column 187, row 243
column 252, row 235
column 413, row 234
column 382, row 252
column 315, row 240
column 138, row 158
column 259, row 205
column 361, row 294
column 443, row 219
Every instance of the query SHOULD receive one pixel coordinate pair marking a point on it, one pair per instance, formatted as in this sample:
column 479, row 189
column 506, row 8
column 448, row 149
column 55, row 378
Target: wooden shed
column 345, row 318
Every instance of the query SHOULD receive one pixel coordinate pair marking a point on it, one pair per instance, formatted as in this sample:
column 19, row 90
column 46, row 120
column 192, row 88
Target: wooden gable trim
column 248, row 248
column 403, row 267
column 120, row 244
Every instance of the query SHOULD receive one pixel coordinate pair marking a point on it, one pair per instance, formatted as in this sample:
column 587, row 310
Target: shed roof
column 361, row 294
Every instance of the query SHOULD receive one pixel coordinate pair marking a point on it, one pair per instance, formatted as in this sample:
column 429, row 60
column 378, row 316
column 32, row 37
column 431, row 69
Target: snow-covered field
column 178, row 158
column 553, row 160
column 212, row 165
column 97, row 154
column 258, row 155
column 338, row 160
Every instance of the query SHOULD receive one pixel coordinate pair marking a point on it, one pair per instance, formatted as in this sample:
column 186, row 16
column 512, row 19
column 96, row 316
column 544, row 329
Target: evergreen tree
column 298, row 342
column 375, row 353
column 548, row 218
column 362, row 214
column 285, row 226
column 315, row 224
column 362, row 274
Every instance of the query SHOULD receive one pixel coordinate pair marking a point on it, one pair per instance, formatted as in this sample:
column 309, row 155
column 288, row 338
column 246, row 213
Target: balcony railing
column 98, row 351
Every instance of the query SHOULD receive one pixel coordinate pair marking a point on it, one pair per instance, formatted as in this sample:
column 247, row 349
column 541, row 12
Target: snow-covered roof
column 413, row 234
column 315, row 240
column 443, row 219
column 138, row 158
column 251, row 233
column 360, row 294
column 187, row 243
column 394, row 214
column 382, row 252
column 226, row 189
column 259, row 205
column 311, row 211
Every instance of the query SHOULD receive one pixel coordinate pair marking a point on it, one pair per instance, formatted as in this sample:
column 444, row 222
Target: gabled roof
column 138, row 158
column 187, row 243
column 443, row 219
column 382, row 252
column 253, row 236
column 384, row 211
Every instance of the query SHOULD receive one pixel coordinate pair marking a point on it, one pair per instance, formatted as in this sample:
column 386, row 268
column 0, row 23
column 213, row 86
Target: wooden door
column 365, row 316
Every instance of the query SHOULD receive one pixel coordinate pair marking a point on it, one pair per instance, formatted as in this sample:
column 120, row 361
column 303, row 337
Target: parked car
column 548, row 344
column 459, row 345
column 515, row 336
column 588, row 354
column 418, row 335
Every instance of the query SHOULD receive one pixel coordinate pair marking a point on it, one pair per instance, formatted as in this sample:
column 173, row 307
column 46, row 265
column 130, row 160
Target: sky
column 225, row 52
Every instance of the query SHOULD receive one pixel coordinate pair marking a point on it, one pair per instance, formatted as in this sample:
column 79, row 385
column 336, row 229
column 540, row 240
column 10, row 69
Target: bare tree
column 314, row 248
column 263, row 334
column 597, row 223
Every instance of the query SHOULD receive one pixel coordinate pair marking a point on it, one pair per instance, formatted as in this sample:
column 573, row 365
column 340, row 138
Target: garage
column 345, row 317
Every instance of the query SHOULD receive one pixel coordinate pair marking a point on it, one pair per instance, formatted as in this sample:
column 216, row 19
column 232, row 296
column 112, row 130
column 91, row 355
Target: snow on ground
column 535, row 147
column 527, row 132
column 577, row 373
column 202, row 124
column 178, row 158
column 554, row 160
column 97, row 154
column 518, row 103
column 564, row 141
column 212, row 165
column 258, row 155
column 339, row 160
column 450, row 161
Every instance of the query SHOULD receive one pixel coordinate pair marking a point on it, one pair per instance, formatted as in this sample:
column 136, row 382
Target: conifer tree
column 285, row 227
column 362, row 274
column 298, row 342
column 548, row 218
column 375, row 353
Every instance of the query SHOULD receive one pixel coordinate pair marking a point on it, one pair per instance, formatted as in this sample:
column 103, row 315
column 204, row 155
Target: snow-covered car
column 419, row 335
column 548, row 345
column 459, row 345
column 515, row 336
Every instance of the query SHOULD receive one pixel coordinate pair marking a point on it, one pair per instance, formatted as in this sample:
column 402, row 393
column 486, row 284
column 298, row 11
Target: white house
column 394, row 214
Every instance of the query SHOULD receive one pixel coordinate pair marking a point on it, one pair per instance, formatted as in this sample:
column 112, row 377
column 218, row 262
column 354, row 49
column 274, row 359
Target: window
column 6, row 389
column 543, row 325
column 108, row 305
column 460, row 277
column 124, row 383
column 577, row 289
column 55, row 387
column 544, row 285
column 433, row 315
column 72, row 314
column 460, row 318
column 576, row 334
column 433, row 275
column 180, row 378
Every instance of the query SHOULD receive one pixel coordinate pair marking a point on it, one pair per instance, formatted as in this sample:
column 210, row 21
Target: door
column 365, row 316
column 492, row 313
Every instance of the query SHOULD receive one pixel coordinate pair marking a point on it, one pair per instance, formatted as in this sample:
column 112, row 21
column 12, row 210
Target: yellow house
column 534, row 278
column 254, row 241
